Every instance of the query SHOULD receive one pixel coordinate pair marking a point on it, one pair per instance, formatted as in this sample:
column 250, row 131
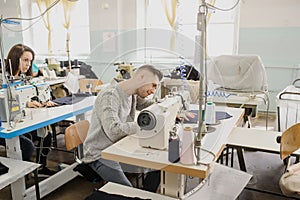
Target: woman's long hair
column 14, row 56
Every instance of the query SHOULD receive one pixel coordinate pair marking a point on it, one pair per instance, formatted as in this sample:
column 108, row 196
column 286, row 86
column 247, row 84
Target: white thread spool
column 187, row 155
column 210, row 114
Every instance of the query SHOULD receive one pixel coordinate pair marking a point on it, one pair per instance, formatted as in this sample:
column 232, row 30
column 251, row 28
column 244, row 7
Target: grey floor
column 266, row 169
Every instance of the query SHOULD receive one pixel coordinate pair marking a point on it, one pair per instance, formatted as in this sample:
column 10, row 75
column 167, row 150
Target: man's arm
column 143, row 103
column 109, row 112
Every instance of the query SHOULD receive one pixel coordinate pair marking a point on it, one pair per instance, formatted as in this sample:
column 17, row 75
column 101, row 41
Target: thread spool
column 174, row 149
column 187, row 155
column 210, row 115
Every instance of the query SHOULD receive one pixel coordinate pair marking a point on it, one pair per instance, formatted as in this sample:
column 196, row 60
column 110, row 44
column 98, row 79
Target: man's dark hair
column 153, row 70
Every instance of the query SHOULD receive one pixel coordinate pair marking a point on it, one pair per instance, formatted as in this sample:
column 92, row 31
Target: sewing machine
column 125, row 70
column 26, row 92
column 21, row 94
column 157, row 121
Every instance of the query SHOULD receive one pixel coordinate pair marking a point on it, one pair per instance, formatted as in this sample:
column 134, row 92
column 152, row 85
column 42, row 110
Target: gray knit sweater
column 112, row 119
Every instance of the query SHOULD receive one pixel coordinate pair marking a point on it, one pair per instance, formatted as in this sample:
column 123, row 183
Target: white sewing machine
column 24, row 93
column 158, row 120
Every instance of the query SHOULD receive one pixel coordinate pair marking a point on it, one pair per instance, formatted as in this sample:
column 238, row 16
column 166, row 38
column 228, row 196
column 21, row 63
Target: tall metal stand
column 4, row 81
column 201, row 26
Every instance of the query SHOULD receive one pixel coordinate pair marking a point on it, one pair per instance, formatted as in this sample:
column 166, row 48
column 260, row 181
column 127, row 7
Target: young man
column 113, row 119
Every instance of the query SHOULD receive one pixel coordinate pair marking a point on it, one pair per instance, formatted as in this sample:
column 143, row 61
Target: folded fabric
column 290, row 181
column 69, row 100
column 103, row 195
column 219, row 116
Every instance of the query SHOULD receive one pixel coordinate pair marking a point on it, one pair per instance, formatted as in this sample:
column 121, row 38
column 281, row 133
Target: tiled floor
column 266, row 170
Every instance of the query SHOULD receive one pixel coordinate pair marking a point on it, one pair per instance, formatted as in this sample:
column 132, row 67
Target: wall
column 271, row 29
column 11, row 9
column 109, row 20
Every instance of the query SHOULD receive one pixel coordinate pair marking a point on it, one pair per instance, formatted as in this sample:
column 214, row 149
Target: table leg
column 172, row 184
column 13, row 150
column 241, row 159
column 36, row 183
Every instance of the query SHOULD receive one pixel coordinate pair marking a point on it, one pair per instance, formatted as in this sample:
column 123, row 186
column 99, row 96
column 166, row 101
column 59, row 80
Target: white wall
column 271, row 29
column 269, row 13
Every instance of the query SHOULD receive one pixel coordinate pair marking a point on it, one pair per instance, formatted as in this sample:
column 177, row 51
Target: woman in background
column 18, row 63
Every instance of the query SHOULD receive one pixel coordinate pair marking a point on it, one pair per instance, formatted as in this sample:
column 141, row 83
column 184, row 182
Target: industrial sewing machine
column 21, row 94
column 157, row 121
column 39, row 92
column 125, row 70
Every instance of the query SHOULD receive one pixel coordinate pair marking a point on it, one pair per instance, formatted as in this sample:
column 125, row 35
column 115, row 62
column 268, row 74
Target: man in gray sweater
column 113, row 119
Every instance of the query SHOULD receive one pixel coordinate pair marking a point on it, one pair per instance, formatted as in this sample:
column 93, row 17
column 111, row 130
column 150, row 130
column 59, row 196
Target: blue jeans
column 110, row 171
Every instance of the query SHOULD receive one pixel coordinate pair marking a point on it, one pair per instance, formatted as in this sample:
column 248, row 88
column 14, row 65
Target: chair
column 289, row 143
column 74, row 138
column 75, row 135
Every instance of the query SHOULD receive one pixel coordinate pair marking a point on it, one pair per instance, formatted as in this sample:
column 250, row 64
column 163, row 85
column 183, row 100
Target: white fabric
column 240, row 72
column 290, row 181
column 288, row 107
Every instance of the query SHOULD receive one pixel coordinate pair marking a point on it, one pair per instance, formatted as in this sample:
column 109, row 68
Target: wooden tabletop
column 129, row 151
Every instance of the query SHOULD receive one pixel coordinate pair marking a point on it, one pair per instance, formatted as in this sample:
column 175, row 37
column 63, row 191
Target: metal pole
column 4, row 81
column 2, row 53
column 201, row 26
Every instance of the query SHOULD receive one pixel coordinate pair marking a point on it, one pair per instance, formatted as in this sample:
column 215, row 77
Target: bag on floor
column 290, row 181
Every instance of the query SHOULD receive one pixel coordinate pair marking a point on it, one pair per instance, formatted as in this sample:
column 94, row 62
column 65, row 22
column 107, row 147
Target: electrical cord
column 29, row 19
column 223, row 9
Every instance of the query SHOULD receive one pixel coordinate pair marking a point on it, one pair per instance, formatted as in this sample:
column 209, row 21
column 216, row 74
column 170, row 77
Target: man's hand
column 189, row 115
column 186, row 115
column 34, row 104
column 49, row 104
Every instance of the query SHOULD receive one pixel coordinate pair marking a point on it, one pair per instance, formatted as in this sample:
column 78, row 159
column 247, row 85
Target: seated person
column 36, row 71
column 19, row 59
column 113, row 118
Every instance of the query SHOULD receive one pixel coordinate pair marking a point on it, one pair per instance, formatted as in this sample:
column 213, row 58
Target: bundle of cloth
column 290, row 181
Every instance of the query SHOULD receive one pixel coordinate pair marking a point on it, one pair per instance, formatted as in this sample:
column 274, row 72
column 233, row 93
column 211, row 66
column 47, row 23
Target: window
column 221, row 28
column 37, row 35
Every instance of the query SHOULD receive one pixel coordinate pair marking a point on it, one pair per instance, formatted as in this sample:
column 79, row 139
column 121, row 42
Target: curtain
column 171, row 17
column 43, row 5
column 68, row 7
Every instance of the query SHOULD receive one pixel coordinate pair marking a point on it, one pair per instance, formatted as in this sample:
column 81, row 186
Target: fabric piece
column 240, row 72
column 69, row 100
column 219, row 116
column 96, row 195
column 290, row 181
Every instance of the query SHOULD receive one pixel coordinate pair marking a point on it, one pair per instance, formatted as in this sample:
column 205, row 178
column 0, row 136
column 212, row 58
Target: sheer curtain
column 43, row 5
column 48, row 35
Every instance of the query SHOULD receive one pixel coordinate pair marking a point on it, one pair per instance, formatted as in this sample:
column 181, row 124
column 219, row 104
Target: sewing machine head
column 157, row 121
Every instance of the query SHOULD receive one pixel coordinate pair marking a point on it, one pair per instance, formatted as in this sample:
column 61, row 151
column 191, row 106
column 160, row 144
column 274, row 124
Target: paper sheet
column 223, row 183
column 72, row 83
